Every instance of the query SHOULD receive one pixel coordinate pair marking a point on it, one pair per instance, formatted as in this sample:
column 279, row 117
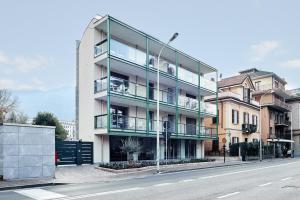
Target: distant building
column 238, row 113
column 294, row 102
column 69, row 126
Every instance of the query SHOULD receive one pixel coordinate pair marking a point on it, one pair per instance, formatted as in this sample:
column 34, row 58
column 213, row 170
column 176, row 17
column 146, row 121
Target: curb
column 208, row 167
column 30, row 186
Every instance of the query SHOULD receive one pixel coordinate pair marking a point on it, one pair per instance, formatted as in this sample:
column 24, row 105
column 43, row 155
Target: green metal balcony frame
column 147, row 70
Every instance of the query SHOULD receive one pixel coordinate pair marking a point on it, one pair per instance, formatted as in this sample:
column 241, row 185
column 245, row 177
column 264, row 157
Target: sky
column 37, row 41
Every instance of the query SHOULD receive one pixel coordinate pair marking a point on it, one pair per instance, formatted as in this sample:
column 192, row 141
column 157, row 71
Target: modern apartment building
column 117, row 95
column 238, row 113
column 294, row 102
column 270, row 92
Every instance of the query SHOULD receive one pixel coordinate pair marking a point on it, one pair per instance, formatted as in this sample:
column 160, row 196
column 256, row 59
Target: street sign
column 224, row 140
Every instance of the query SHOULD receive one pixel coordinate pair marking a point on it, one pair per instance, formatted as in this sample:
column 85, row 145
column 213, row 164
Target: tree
column 16, row 117
column 48, row 119
column 7, row 103
column 130, row 146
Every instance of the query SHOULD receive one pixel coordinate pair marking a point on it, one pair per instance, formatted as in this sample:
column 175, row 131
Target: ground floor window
column 190, row 148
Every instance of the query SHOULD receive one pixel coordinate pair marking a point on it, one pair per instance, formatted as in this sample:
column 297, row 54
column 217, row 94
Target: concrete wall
column 26, row 151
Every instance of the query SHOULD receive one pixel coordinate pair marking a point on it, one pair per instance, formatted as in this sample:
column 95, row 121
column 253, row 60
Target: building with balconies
column 117, row 94
column 270, row 92
column 294, row 125
column 238, row 113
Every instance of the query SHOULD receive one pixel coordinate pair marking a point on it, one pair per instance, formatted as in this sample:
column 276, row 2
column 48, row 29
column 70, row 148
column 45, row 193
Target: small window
column 235, row 140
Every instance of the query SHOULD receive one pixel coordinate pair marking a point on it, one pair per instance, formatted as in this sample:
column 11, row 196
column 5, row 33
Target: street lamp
column 260, row 124
column 157, row 102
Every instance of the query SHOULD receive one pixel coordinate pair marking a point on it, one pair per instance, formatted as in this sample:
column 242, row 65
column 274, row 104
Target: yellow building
column 238, row 113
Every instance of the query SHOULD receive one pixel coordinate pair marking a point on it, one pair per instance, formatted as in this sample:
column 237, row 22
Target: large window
column 246, row 118
column 254, row 119
column 247, row 95
column 235, row 116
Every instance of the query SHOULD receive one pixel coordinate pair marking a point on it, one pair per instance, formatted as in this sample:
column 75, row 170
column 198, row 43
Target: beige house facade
column 238, row 113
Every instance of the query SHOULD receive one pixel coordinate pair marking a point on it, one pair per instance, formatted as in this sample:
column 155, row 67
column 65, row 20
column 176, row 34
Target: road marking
column 265, row 184
column 100, row 194
column 228, row 195
column 39, row 194
column 162, row 184
column 187, row 180
column 285, row 179
column 243, row 171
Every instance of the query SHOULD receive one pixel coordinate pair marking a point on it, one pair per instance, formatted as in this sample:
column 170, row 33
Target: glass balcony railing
column 188, row 103
column 101, row 121
column 208, row 108
column 208, row 84
column 100, row 85
column 123, row 122
column 187, row 76
column 208, row 132
column 164, row 96
column 128, row 123
column 187, row 129
column 100, row 48
column 164, row 65
column 126, row 52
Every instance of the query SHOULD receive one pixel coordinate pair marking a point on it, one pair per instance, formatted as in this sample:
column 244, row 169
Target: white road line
column 162, row 184
column 100, row 194
column 285, row 179
column 243, row 171
column 39, row 194
column 265, row 184
column 228, row 195
column 187, row 180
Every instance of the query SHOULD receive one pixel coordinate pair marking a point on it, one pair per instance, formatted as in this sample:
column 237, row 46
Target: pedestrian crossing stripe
column 39, row 194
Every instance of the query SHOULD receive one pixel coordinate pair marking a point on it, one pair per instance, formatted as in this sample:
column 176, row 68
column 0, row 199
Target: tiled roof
column 233, row 80
column 255, row 73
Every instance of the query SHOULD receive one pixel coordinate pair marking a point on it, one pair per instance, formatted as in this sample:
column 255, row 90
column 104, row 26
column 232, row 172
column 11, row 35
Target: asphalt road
column 278, row 179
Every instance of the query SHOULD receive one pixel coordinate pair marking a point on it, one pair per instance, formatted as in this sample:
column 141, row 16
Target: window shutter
column 232, row 116
column 237, row 114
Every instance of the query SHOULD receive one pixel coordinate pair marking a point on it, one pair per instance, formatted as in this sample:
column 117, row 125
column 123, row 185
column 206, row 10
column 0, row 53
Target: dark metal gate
column 74, row 152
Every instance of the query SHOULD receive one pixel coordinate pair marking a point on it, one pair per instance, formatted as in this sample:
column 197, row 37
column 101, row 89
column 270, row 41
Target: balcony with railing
column 249, row 128
column 100, row 48
column 137, row 124
column 208, row 108
column 188, row 103
column 276, row 103
column 138, row 56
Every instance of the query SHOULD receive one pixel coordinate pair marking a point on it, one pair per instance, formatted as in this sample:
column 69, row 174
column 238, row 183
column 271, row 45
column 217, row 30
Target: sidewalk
column 92, row 174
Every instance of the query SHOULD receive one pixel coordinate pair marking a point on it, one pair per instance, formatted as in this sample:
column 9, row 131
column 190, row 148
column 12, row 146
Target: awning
column 280, row 140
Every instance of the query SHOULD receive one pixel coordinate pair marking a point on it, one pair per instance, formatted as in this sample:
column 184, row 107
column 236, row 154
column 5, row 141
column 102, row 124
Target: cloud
column 22, row 63
column 19, row 86
column 293, row 64
column 263, row 49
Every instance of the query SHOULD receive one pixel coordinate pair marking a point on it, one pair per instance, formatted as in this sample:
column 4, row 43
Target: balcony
column 138, row 56
column 135, row 90
column 208, row 108
column 208, row 84
column 275, row 103
column 278, row 90
column 100, row 48
column 281, row 123
column 249, row 128
column 188, row 103
column 136, row 124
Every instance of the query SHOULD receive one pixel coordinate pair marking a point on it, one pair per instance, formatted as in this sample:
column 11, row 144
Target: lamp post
column 260, row 124
column 157, row 102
